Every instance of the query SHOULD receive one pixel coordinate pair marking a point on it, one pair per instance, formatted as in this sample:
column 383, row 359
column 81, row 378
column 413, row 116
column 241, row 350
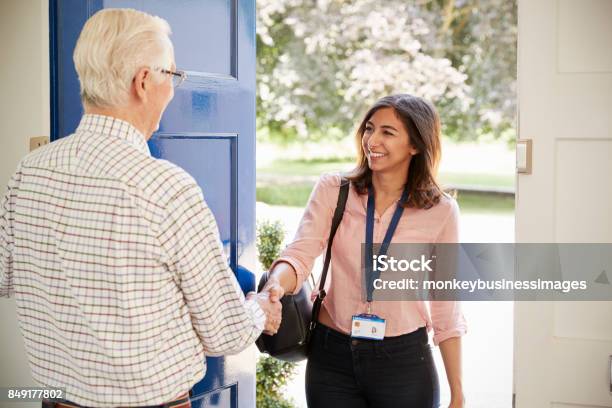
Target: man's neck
column 125, row 114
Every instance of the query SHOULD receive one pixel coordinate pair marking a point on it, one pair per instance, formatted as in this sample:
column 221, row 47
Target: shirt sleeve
column 313, row 232
column 224, row 320
column 446, row 316
column 7, row 216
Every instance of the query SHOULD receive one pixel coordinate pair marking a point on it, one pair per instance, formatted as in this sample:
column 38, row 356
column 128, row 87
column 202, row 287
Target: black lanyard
column 372, row 275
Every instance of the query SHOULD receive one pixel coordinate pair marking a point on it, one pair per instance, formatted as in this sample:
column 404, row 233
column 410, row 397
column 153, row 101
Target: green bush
column 272, row 374
column 270, row 236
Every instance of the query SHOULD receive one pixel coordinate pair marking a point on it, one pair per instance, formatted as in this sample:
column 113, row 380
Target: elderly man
column 114, row 258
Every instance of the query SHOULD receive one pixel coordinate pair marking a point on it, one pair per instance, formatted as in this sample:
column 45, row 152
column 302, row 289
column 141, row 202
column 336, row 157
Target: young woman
column 399, row 140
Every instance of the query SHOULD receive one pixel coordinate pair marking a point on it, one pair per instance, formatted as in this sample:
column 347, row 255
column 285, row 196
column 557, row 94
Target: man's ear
column 141, row 83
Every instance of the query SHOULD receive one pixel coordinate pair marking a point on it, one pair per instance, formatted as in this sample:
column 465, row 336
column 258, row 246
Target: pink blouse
column 344, row 291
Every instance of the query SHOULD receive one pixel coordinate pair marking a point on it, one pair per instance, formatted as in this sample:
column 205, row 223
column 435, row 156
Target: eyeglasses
column 177, row 76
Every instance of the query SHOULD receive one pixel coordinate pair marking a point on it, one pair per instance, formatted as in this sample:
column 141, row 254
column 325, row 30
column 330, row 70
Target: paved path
column 487, row 347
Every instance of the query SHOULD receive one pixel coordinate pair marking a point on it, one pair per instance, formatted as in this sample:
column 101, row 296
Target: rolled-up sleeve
column 225, row 322
column 447, row 320
column 446, row 316
column 313, row 232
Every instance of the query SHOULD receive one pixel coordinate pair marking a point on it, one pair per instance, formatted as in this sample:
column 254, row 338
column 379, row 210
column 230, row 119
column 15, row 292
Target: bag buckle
column 322, row 294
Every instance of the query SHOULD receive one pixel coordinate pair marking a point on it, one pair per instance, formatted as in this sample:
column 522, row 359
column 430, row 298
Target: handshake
column 269, row 299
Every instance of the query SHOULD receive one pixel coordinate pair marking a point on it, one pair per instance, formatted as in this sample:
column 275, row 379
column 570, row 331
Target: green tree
column 479, row 37
column 322, row 62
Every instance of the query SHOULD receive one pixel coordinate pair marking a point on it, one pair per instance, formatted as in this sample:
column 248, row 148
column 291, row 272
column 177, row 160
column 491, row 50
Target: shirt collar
column 111, row 126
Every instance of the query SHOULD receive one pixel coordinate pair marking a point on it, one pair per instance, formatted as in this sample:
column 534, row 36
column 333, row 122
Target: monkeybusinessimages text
column 423, row 264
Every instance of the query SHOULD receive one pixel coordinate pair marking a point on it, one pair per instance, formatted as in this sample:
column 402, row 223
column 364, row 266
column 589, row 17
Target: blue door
column 208, row 129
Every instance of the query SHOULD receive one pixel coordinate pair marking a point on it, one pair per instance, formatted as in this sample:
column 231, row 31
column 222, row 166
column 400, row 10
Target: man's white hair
column 113, row 45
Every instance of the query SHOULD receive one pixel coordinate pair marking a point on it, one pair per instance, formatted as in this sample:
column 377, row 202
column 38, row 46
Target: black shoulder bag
column 300, row 314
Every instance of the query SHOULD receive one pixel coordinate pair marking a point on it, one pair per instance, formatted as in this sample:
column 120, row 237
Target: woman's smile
column 376, row 155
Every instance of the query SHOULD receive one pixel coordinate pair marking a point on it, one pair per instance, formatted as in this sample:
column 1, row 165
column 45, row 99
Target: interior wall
column 24, row 113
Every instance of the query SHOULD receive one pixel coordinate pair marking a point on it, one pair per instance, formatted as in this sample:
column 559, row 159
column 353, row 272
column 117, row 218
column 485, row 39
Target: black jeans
column 394, row 372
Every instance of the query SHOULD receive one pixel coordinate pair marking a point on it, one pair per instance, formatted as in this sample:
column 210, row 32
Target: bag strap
column 338, row 213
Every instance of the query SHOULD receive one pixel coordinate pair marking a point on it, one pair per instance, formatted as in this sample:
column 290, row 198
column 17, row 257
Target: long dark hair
column 422, row 123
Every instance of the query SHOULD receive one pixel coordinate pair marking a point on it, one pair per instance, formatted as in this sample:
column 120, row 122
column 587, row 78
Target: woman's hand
column 273, row 309
column 282, row 279
column 269, row 299
column 274, row 288
column 457, row 401
column 451, row 355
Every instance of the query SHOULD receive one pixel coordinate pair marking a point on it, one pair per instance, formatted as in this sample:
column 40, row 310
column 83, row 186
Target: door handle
column 523, row 156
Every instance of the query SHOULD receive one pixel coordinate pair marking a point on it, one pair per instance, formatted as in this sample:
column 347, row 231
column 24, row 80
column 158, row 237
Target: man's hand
column 272, row 309
column 269, row 300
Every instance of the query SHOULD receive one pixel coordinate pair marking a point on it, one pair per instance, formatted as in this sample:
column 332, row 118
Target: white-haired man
column 121, row 284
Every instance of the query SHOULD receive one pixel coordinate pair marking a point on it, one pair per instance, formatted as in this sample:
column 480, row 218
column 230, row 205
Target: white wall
column 24, row 112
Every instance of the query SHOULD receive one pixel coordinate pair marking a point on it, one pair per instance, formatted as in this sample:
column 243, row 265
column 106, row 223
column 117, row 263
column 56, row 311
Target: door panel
column 202, row 156
column 565, row 105
column 191, row 22
column 208, row 129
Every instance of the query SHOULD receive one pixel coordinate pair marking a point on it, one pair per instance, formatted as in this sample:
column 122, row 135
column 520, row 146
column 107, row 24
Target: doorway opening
column 321, row 64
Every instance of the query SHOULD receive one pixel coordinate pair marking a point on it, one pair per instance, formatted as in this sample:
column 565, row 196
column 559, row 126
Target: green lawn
column 477, row 179
column 293, row 195
column 485, row 203
column 276, row 186
column 296, row 195
column 314, row 167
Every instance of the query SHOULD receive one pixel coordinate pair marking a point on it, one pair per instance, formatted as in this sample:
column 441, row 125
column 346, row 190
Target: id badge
column 368, row 326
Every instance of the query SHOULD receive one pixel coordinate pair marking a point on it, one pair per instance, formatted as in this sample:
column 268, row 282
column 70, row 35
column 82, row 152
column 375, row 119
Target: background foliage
column 321, row 63
column 272, row 374
column 270, row 236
